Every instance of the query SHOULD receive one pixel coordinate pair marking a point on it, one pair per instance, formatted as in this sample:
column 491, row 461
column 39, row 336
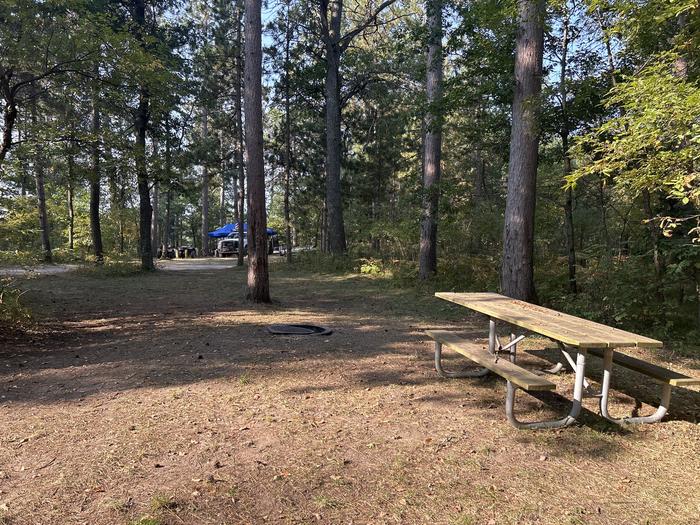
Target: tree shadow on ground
column 116, row 343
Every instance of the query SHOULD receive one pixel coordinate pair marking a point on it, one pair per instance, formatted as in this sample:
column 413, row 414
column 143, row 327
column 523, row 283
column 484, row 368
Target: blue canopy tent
column 228, row 230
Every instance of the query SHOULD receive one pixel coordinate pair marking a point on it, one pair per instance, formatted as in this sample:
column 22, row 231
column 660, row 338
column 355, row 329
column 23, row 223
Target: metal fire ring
column 298, row 329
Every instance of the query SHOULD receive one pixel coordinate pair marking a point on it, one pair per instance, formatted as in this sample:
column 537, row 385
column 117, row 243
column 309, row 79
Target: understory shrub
column 13, row 314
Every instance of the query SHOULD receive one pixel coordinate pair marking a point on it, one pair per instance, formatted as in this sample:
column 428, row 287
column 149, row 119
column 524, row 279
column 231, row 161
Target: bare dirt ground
column 160, row 399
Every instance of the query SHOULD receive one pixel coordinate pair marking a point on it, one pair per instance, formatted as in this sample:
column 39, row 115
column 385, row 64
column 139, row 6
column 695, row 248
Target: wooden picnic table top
column 568, row 329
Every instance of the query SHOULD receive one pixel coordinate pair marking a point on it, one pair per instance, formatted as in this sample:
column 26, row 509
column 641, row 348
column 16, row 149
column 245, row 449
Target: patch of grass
column 34, row 257
column 316, row 262
column 465, row 520
column 162, row 502
column 120, row 506
column 244, row 379
column 19, row 258
column 146, row 520
column 112, row 268
column 324, row 502
column 13, row 314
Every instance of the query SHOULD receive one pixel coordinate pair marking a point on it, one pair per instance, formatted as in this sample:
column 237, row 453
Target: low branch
column 345, row 40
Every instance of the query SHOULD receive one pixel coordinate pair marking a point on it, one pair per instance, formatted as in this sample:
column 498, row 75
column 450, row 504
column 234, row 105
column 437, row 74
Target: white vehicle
column 228, row 246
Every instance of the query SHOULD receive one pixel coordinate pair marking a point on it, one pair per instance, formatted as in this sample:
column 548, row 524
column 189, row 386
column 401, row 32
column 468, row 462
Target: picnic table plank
column 480, row 355
column 594, row 332
column 568, row 329
column 657, row 372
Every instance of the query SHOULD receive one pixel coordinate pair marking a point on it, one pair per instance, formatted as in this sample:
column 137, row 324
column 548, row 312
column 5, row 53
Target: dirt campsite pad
column 161, row 399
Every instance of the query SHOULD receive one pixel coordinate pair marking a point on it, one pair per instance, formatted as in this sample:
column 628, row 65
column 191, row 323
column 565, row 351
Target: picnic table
column 572, row 334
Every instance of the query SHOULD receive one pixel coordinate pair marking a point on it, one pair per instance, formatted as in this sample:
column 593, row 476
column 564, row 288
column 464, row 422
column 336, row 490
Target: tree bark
column 38, row 168
column 335, row 43
column 427, row 265
column 41, row 205
column 205, row 188
column 140, row 125
column 169, row 191
column 9, row 113
column 334, row 198
column 234, row 191
column 258, row 277
column 71, row 209
column 116, row 204
column 519, row 228
column 240, row 196
column 564, row 131
column 155, row 233
column 167, row 232
column 287, row 137
column 95, row 228
column 654, row 237
column 479, row 192
column 224, row 176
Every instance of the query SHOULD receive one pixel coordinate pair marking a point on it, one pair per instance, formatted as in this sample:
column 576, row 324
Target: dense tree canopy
column 122, row 132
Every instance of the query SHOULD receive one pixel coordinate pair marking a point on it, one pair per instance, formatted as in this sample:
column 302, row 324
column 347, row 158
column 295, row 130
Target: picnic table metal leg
column 607, row 374
column 557, row 423
column 477, row 372
column 555, row 369
column 572, row 364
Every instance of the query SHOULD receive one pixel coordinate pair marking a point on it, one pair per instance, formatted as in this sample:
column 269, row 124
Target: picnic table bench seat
column 665, row 377
column 479, row 354
column 656, row 372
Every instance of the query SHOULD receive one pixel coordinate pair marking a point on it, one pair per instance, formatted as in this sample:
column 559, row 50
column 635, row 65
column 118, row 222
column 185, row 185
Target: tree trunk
column 427, row 258
column 71, row 209
column 167, row 233
column 479, row 192
column 169, row 191
column 222, row 194
column 604, row 217
column 334, row 199
column 38, row 168
column 258, row 277
column 140, row 124
column 323, row 229
column 9, row 113
column 654, row 237
column 155, row 234
column 234, row 191
column 287, row 137
column 569, row 234
column 240, row 196
column 41, row 205
column 95, row 229
column 519, row 228
column 564, row 131
column 205, row 188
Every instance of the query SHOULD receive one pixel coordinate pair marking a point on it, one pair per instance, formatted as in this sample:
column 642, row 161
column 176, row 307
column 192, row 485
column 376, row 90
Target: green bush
column 112, row 267
column 13, row 314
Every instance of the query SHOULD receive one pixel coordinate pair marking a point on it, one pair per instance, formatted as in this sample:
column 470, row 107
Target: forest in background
column 118, row 111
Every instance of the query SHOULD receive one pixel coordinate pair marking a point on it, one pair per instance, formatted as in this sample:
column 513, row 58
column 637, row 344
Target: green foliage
column 111, row 267
column 13, row 314
column 162, row 502
column 654, row 142
column 146, row 520
column 317, row 262
column 621, row 294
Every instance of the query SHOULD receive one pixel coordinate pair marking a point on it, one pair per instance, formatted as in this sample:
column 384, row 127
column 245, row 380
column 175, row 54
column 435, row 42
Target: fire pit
column 298, row 329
